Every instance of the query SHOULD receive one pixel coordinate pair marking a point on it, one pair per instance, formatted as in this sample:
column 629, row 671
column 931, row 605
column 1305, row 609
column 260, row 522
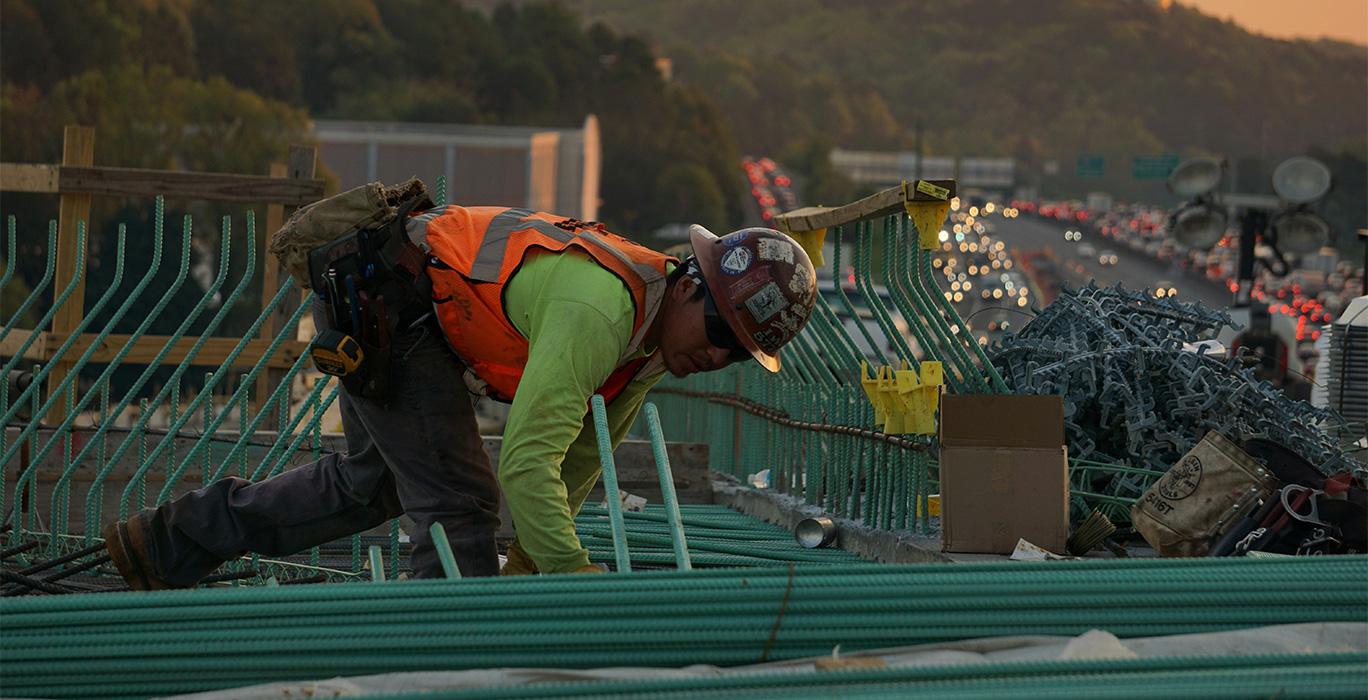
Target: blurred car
column 992, row 287
column 1165, row 288
column 1107, row 257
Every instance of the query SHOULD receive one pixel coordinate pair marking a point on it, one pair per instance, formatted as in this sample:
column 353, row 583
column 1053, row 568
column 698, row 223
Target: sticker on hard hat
column 736, row 261
column 734, row 237
column 770, row 249
column 742, row 286
column 790, row 322
column 801, row 282
column 767, row 302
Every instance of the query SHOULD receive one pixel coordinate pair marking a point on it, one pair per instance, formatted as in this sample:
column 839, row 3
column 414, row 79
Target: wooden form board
column 137, row 182
column 213, row 353
column 875, row 206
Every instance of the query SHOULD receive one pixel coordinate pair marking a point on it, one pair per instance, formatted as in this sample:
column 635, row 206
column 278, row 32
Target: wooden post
column 301, row 164
column 78, row 149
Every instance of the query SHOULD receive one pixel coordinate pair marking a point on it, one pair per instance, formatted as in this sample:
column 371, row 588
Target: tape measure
column 336, row 353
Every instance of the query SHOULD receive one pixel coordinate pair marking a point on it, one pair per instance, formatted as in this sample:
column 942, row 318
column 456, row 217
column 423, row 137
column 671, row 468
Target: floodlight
column 1301, row 232
column 1196, row 177
column 1301, row 179
column 1199, row 227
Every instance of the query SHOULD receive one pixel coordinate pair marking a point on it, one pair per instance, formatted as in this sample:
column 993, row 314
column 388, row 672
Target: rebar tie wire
column 780, row 417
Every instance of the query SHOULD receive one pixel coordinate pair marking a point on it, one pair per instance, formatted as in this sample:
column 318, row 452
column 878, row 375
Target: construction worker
column 527, row 307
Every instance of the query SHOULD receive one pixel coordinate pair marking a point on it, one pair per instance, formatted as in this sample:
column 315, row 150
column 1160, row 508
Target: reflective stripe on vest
column 476, row 252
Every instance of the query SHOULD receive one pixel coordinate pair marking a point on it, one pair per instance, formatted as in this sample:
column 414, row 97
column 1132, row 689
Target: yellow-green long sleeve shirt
column 577, row 318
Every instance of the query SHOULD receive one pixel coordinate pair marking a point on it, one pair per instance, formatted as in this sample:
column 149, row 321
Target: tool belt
column 372, row 282
column 1224, row 499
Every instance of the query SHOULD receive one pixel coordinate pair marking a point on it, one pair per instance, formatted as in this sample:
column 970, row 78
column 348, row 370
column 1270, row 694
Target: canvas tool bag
column 1211, row 488
column 367, row 207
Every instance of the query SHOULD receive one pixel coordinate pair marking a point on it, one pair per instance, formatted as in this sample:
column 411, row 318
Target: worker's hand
column 518, row 564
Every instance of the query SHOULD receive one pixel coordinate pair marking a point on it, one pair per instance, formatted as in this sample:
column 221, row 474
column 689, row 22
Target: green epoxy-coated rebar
column 444, row 553
column 956, row 361
column 864, row 281
column 210, row 293
column 910, row 303
column 11, row 264
column 838, row 232
column 49, row 271
column 377, row 564
column 610, row 484
column 69, row 380
column 667, row 489
column 80, row 646
column 61, row 435
column 987, row 368
column 76, row 280
column 245, row 387
column 92, row 496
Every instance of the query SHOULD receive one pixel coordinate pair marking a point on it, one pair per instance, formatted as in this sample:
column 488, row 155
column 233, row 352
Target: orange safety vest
column 474, row 251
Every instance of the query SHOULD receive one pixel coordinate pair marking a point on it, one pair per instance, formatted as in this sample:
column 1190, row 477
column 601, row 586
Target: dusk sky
column 1346, row 20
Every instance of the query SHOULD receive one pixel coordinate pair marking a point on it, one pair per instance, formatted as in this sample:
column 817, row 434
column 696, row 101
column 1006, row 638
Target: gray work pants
column 422, row 454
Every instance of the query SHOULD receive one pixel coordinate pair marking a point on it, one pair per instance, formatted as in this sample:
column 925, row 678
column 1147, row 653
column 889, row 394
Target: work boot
column 126, row 542
column 518, row 564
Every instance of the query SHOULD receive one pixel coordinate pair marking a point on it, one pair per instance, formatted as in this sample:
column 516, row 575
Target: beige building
column 547, row 169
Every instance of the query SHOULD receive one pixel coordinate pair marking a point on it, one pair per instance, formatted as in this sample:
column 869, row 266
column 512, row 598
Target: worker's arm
column 580, row 470
column 578, row 320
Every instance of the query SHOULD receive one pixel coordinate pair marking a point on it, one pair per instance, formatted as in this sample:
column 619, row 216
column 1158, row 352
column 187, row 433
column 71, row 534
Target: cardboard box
column 1004, row 473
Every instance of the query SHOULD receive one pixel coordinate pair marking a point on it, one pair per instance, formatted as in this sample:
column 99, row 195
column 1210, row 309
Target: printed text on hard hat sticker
column 734, row 237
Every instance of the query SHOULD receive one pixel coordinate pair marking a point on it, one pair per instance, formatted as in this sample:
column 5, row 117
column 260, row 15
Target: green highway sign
column 1091, row 167
column 1153, row 167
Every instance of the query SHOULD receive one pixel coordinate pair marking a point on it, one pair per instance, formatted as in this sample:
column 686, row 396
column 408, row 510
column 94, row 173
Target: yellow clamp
column 905, row 401
column 927, row 214
column 871, row 389
column 921, row 397
column 810, row 240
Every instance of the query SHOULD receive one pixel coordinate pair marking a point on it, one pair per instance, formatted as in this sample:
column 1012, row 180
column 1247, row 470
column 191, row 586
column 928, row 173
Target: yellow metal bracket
column 928, row 211
column 811, row 241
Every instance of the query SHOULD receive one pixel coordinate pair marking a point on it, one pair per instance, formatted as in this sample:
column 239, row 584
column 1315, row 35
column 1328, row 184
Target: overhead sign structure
column 1153, row 167
column 1091, row 167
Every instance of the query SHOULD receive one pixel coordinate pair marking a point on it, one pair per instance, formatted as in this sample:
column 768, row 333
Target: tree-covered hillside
column 226, row 86
column 1035, row 81
column 1027, row 77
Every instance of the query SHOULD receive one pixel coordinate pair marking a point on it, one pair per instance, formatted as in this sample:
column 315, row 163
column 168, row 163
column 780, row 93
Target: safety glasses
column 719, row 333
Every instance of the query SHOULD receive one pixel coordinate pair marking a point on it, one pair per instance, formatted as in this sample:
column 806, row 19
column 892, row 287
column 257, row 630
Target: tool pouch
column 1192, row 505
column 367, row 207
column 373, row 281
